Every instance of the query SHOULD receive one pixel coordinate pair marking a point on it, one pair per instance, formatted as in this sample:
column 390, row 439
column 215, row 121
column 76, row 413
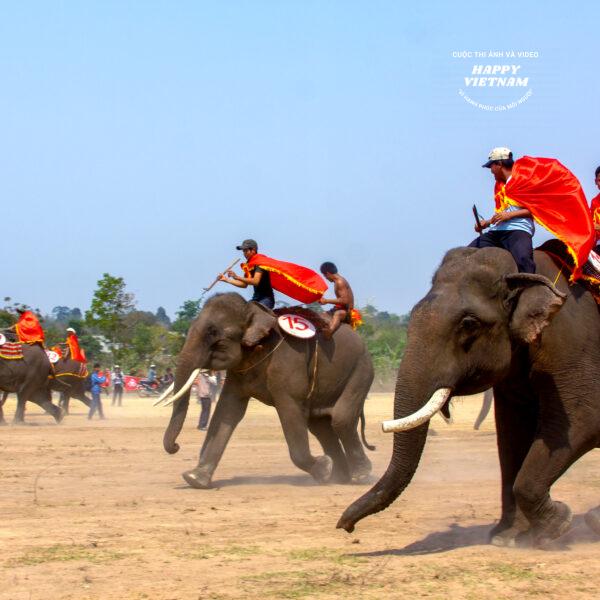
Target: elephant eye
column 469, row 330
column 470, row 324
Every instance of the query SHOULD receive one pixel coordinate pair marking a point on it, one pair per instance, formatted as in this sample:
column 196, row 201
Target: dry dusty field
column 99, row 510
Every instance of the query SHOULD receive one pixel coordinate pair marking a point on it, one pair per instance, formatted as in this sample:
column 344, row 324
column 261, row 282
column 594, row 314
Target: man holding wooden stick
column 256, row 276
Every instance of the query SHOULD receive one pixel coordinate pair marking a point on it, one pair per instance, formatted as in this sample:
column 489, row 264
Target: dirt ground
column 99, row 510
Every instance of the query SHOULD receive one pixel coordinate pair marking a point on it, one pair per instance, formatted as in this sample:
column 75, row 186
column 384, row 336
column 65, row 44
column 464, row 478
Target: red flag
column 556, row 201
column 301, row 283
column 131, row 383
column 29, row 329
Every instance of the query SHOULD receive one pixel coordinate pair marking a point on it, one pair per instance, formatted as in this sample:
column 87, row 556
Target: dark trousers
column 518, row 243
column 204, row 413
column 96, row 405
column 117, row 394
column 267, row 301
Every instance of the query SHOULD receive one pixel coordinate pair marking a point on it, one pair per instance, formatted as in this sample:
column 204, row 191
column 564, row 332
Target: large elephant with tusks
column 537, row 344
column 317, row 384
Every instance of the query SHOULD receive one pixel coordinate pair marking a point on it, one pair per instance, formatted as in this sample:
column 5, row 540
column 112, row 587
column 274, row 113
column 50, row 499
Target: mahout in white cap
column 497, row 154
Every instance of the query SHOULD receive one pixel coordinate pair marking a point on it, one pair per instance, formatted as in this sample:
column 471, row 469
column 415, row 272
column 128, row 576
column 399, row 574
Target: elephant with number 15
column 262, row 362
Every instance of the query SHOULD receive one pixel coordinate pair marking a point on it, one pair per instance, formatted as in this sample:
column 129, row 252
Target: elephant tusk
column 437, row 400
column 185, row 388
column 164, row 395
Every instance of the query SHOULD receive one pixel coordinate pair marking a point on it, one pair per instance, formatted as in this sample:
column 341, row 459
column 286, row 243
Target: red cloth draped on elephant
column 301, row 283
column 28, row 328
column 555, row 199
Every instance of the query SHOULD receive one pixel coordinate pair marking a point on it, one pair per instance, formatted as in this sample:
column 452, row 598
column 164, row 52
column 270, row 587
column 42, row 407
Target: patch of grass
column 241, row 550
column 313, row 554
column 511, row 572
column 206, row 551
column 63, row 553
column 302, row 584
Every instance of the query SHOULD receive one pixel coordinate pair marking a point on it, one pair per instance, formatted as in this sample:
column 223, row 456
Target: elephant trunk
column 180, row 406
column 407, row 450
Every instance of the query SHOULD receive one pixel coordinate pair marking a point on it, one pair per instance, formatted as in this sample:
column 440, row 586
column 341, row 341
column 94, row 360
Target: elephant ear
column 261, row 321
column 534, row 301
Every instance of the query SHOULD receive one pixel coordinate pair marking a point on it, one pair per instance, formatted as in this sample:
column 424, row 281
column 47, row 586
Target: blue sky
column 146, row 139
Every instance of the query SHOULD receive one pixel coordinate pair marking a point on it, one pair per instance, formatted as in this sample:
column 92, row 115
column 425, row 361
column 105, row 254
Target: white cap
column 498, row 154
column 71, row 329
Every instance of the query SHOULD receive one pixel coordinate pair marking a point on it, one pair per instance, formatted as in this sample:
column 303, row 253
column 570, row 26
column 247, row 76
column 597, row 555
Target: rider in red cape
column 75, row 349
column 556, row 201
column 28, row 328
column 266, row 274
column 540, row 189
column 301, row 283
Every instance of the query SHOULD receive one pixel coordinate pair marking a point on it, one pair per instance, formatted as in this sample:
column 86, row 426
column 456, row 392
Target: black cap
column 248, row 245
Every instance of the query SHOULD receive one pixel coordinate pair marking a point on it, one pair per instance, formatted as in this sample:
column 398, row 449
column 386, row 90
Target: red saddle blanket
column 590, row 277
column 11, row 351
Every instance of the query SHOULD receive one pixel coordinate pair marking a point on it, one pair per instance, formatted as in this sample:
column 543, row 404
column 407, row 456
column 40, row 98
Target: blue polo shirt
column 519, row 224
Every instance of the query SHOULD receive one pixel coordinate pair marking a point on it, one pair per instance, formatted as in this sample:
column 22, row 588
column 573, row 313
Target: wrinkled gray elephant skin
column 325, row 398
column 484, row 325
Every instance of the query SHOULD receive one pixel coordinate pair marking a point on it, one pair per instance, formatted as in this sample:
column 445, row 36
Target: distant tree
column 162, row 317
column 110, row 304
column 7, row 318
column 61, row 313
column 385, row 336
column 134, row 317
column 185, row 315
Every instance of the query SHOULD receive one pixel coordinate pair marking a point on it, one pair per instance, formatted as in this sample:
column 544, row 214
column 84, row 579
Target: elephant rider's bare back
column 342, row 309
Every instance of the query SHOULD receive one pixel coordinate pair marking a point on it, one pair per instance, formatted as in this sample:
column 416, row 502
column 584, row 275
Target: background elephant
column 70, row 380
column 483, row 324
column 28, row 378
column 486, row 406
column 2, row 403
column 318, row 385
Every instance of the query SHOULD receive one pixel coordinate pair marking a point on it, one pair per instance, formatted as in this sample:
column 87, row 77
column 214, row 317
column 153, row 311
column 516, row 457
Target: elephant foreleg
column 294, row 422
column 549, row 457
column 321, row 428
column 44, row 400
column 516, row 421
column 230, row 410
column 19, row 416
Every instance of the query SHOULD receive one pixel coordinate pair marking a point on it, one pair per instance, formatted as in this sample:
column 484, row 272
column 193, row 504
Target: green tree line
column 113, row 331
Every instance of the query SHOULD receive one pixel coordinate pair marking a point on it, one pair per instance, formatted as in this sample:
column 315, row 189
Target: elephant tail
column 362, row 431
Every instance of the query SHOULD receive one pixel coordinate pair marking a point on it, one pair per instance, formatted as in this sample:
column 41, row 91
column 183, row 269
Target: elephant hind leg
column 344, row 420
column 321, row 428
